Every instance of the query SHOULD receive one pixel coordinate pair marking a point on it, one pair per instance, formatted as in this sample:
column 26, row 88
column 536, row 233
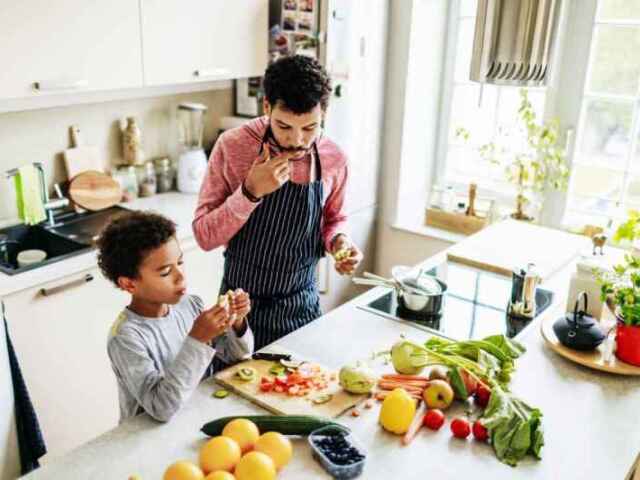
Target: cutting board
column 280, row 403
column 593, row 359
column 504, row 246
column 80, row 158
column 94, row 190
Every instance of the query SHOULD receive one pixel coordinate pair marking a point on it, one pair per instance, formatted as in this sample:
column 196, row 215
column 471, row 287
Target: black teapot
column 577, row 330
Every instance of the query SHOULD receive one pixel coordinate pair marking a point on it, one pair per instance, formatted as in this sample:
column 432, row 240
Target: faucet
column 49, row 204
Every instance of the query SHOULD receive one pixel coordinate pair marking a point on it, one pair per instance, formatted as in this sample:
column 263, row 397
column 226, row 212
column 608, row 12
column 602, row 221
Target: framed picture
column 248, row 97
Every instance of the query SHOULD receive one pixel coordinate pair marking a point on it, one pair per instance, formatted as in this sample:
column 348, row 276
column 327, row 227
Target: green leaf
column 459, row 388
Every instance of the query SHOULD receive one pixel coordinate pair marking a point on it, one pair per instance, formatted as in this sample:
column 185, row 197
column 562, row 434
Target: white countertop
column 591, row 421
column 179, row 207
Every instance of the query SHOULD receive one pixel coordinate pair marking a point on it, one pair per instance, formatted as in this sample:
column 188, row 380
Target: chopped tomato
column 294, row 379
column 281, row 381
column 266, row 380
column 293, row 390
column 266, row 387
column 278, row 388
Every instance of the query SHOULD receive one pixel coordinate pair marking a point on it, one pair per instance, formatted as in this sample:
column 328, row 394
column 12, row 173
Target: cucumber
column 284, row 424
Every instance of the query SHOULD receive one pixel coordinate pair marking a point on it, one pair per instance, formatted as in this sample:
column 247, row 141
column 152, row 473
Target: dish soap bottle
column 132, row 143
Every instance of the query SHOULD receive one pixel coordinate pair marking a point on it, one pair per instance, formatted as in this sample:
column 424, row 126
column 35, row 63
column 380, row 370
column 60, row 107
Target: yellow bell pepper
column 397, row 411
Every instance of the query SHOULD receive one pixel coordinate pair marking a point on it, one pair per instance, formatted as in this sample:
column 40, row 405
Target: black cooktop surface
column 474, row 306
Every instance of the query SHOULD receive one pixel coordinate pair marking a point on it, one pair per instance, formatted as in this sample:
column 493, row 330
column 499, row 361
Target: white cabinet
column 203, row 40
column 61, row 342
column 68, row 46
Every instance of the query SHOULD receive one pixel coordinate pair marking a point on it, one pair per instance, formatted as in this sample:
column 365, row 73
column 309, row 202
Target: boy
column 163, row 343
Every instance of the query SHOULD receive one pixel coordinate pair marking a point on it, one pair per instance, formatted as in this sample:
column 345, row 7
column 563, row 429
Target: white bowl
column 29, row 257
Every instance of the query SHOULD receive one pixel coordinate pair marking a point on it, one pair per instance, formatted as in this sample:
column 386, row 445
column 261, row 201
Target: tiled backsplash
column 42, row 135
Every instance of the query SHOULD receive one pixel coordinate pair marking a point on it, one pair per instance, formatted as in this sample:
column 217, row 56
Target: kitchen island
column 591, row 420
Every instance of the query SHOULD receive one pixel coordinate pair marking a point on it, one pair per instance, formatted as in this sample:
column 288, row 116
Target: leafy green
column 514, row 427
column 457, row 383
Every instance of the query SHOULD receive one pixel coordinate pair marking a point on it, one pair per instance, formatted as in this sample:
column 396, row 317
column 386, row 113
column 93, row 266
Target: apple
column 433, row 419
column 438, row 394
column 438, row 373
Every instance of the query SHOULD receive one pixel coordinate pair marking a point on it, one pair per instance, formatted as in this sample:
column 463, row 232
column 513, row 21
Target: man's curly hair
column 297, row 83
column 127, row 240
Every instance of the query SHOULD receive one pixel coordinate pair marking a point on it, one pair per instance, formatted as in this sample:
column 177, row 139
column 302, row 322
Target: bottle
column 146, row 176
column 132, row 143
column 164, row 174
column 125, row 175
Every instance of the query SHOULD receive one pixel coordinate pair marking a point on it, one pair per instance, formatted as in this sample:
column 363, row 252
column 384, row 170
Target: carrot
column 416, row 424
column 392, row 385
column 411, row 383
column 400, row 376
column 383, row 394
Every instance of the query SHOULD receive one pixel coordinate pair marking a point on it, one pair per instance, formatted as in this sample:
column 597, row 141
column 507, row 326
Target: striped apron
column 274, row 258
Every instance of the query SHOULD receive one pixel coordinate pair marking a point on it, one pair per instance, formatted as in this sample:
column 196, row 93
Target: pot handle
column 580, row 313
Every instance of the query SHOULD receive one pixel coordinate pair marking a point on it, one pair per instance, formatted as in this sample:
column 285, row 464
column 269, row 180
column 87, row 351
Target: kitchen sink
column 73, row 234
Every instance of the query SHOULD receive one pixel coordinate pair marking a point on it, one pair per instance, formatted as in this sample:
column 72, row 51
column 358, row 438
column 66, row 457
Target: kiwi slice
column 247, row 374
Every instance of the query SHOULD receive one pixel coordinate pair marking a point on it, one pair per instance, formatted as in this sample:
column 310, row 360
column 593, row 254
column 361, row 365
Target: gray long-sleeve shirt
column 158, row 365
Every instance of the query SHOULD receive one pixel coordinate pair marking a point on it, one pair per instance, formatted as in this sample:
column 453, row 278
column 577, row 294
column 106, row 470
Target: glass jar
column 146, row 175
column 165, row 174
column 125, row 175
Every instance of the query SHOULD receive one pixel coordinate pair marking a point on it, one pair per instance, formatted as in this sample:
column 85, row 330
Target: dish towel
column 28, row 195
column 30, row 440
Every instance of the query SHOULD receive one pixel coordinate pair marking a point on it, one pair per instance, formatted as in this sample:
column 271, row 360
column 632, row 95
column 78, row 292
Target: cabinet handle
column 212, row 72
column 46, row 292
column 52, row 86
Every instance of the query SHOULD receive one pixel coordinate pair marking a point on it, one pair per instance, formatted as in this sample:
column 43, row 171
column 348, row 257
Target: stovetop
column 474, row 307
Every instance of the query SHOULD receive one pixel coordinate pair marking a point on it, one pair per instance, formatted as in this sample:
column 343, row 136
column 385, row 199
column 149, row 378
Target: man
column 274, row 195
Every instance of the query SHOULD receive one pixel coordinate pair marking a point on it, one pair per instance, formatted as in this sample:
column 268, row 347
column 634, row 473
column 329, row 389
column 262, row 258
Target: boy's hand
column 210, row 324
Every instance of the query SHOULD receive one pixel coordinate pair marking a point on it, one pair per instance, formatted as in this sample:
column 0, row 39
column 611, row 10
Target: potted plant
column 620, row 289
column 630, row 231
column 529, row 154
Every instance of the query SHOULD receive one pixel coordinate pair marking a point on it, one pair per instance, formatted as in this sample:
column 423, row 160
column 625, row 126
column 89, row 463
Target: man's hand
column 268, row 174
column 210, row 324
column 240, row 307
column 347, row 256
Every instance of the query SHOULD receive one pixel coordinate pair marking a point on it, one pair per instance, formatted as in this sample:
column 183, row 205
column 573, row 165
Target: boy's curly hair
column 299, row 83
column 127, row 240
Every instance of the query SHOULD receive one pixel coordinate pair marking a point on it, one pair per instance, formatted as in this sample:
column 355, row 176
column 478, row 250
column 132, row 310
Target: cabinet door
column 61, row 343
column 203, row 40
column 67, row 46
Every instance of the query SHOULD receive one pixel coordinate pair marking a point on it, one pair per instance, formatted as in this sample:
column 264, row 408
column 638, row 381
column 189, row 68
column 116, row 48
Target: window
column 596, row 92
column 605, row 179
column 482, row 112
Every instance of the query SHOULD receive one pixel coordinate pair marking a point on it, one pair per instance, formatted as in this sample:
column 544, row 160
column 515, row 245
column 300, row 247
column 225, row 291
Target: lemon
column 277, row 446
column 220, row 475
column 243, row 431
column 255, row 466
column 397, row 411
column 219, row 453
column 183, row 470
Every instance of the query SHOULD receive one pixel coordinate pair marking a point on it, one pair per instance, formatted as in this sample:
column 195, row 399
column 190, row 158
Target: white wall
column 42, row 135
column 415, row 59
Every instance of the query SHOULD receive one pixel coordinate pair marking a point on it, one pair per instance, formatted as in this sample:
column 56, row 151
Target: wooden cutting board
column 504, row 246
column 94, row 190
column 593, row 358
column 80, row 158
column 280, row 403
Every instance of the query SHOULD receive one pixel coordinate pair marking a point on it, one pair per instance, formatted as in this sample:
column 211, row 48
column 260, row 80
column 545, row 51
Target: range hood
column 513, row 41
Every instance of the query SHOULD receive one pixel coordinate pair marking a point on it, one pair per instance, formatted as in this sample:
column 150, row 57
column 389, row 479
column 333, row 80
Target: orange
column 243, row 431
column 220, row 475
column 277, row 446
column 255, row 466
column 183, row 470
column 219, row 453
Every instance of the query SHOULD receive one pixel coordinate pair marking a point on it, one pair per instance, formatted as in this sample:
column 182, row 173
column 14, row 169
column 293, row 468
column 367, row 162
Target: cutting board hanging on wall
column 94, row 190
column 80, row 158
column 281, row 403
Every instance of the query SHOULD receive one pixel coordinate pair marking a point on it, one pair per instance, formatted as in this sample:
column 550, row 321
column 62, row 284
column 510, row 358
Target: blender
column 192, row 161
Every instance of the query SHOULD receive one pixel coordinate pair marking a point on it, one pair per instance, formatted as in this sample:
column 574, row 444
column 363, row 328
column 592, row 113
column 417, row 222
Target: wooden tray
column 280, row 403
column 454, row 221
column 592, row 359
